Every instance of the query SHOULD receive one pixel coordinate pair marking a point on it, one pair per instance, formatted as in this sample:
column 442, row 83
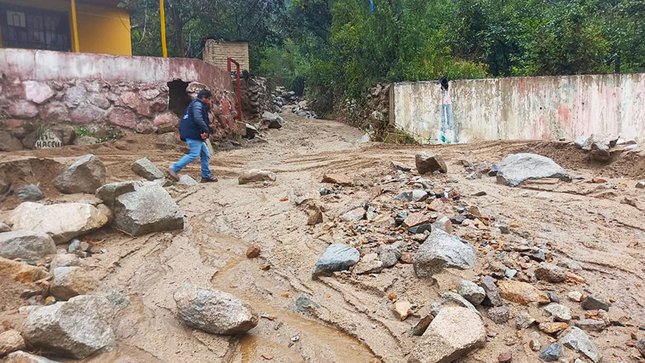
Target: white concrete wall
column 531, row 108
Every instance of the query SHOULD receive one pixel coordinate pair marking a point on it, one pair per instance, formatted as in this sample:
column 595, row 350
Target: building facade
column 86, row 26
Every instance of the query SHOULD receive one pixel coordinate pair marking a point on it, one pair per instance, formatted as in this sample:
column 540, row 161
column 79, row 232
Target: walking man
column 194, row 129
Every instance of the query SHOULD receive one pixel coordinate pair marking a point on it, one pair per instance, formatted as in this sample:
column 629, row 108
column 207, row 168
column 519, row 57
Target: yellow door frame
column 77, row 47
column 162, row 22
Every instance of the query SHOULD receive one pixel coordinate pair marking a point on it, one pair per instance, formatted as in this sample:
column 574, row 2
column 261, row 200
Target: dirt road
column 348, row 318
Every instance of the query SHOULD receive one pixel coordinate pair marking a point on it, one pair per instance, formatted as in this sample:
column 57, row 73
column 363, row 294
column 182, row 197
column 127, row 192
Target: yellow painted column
column 77, row 47
column 162, row 19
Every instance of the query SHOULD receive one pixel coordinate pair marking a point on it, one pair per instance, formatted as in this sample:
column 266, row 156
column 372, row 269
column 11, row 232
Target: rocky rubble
column 603, row 148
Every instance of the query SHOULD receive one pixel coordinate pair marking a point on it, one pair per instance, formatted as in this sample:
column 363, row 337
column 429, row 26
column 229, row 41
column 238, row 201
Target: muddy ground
column 600, row 226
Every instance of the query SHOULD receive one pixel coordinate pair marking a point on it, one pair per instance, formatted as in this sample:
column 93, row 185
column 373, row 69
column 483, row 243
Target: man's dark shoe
column 173, row 174
column 211, row 179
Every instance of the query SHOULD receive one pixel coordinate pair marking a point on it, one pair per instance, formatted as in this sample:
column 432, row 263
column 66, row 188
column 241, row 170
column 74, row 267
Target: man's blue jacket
column 195, row 121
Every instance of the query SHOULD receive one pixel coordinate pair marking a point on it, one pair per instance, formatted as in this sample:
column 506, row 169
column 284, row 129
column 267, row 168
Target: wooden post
column 77, row 47
column 162, row 22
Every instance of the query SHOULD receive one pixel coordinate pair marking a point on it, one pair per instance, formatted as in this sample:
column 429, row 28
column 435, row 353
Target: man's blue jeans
column 198, row 149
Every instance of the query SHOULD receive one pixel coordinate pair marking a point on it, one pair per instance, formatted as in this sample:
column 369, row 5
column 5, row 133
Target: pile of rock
column 256, row 98
column 419, row 217
column 288, row 101
column 602, row 148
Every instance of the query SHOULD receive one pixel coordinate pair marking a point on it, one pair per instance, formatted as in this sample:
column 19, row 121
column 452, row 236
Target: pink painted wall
column 41, row 65
column 528, row 108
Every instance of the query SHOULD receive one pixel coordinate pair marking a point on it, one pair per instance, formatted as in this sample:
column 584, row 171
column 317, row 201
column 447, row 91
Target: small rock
column 256, row 175
column 4, row 228
column 524, row 320
column 354, row 215
column 444, row 224
column 510, row 273
column 416, row 195
column 407, row 258
column 253, row 251
column 419, row 328
column 370, row 263
column 337, row 257
column 11, row 341
column 399, row 166
column 640, row 184
column 499, row 314
column 559, row 312
column 506, row 357
column 428, row 163
column 26, row 245
column 641, row 347
column 304, row 303
column 591, row 303
column 76, row 328
column 420, row 229
column 521, row 292
column 64, row 260
column 550, row 273
column 591, row 325
column 551, row 353
column 446, row 340
column 214, row 311
column 579, row 341
column 340, row 179
column 24, row 357
column 84, row 176
column 30, row 193
column 450, row 298
column 493, row 297
column 401, row 309
column 442, row 250
column 552, row 328
column 389, row 254
column 575, row 296
column 416, row 219
column 147, row 170
column 553, row 297
column 187, row 180
column 71, row 281
column 471, row 292
column 273, row 120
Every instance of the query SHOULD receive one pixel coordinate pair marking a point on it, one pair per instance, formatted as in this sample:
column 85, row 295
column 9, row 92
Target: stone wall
column 526, row 108
column 42, row 91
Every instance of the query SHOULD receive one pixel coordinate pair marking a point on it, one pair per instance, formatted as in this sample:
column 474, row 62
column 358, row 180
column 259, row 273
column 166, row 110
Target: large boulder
column 146, row 169
column 428, row 163
column 61, row 221
column 518, row 168
column 26, row 245
column 21, row 272
column 337, row 257
column 70, row 281
column 76, row 328
column 442, row 250
column 214, row 311
column 453, row 333
column 84, row 176
column 141, row 207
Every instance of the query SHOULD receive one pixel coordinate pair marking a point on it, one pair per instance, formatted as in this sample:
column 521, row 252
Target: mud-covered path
column 347, row 318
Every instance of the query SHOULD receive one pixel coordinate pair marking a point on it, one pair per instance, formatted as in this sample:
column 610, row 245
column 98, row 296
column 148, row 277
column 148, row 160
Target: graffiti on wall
column 48, row 140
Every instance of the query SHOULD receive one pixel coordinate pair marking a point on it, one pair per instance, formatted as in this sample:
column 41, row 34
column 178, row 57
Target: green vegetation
column 333, row 50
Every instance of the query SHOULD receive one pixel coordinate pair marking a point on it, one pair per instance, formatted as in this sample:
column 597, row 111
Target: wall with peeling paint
column 528, row 108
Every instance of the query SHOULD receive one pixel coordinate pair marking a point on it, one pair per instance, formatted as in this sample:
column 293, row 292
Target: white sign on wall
column 48, row 140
